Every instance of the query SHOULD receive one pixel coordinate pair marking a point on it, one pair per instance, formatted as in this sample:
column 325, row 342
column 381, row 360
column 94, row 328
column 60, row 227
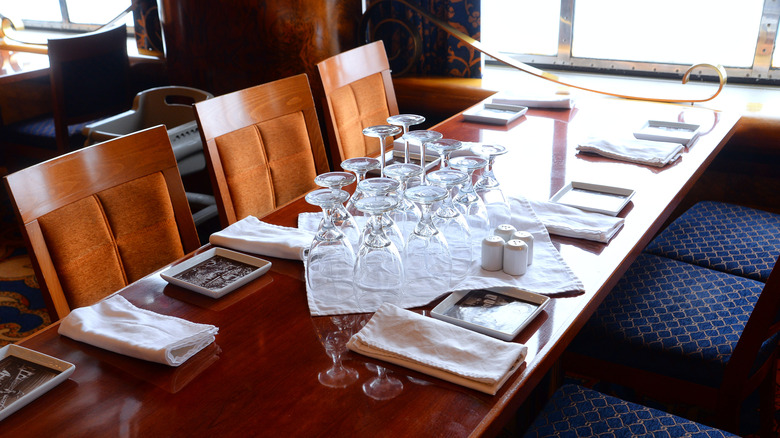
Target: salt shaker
column 528, row 238
column 505, row 231
column 515, row 257
column 492, row 253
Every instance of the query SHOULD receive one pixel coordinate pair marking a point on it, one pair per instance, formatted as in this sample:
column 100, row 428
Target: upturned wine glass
column 360, row 167
column 331, row 258
column 420, row 138
column 341, row 218
column 384, row 187
column 405, row 121
column 452, row 224
column 487, row 186
column 467, row 201
column 407, row 214
column 378, row 275
column 427, row 257
column 334, row 332
column 444, row 147
column 382, row 132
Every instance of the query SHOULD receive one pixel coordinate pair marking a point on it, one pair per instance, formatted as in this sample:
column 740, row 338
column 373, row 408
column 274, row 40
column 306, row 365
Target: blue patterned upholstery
column 39, row 132
column 574, row 411
column 672, row 318
column 725, row 237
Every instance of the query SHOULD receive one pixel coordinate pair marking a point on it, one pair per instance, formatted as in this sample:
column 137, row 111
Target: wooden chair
column 358, row 93
column 89, row 76
column 263, row 146
column 682, row 333
column 99, row 218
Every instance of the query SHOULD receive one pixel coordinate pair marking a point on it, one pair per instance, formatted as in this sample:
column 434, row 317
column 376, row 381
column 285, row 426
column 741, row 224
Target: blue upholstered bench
column 574, row 411
column 725, row 237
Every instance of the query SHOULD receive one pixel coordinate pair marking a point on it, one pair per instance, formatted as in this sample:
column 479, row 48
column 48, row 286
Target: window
column 655, row 38
column 81, row 15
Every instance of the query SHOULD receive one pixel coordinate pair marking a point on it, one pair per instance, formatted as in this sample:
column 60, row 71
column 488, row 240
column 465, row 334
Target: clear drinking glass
column 331, row 257
column 420, row 138
column 382, row 132
column 427, row 257
column 468, row 202
column 382, row 387
column 444, row 147
column 360, row 167
column 407, row 214
column 452, row 224
column 488, row 188
column 341, row 218
column 405, row 121
column 378, row 275
column 334, row 332
column 384, row 187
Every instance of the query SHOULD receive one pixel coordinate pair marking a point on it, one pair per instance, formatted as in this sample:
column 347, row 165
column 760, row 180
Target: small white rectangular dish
column 25, row 375
column 494, row 113
column 500, row 313
column 674, row 132
column 216, row 272
column 594, row 197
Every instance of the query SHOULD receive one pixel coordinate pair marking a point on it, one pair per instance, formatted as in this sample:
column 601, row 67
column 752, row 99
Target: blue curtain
column 417, row 47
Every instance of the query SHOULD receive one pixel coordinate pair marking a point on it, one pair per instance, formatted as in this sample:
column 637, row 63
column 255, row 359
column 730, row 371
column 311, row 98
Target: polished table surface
column 260, row 377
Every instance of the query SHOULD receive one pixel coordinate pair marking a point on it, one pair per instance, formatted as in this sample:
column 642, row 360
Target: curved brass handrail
column 719, row 70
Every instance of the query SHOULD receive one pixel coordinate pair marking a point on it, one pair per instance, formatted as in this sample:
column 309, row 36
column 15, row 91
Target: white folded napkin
column 257, row 237
column 116, row 325
column 651, row 153
column 564, row 220
column 438, row 349
column 552, row 101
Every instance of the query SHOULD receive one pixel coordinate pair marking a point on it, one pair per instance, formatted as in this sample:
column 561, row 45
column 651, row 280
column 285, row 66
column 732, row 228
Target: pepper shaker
column 515, row 257
column 528, row 238
column 492, row 253
column 505, row 231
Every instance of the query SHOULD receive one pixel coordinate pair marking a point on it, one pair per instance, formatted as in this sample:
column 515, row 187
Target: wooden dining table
column 261, row 375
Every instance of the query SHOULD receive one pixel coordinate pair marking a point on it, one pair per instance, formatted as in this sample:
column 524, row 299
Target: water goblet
column 384, row 187
column 468, row 202
column 444, row 147
column 378, row 275
column 407, row 214
column 331, row 258
column 334, row 332
column 360, row 167
column 341, row 218
column 487, row 186
column 382, row 132
column 452, row 224
column 405, row 121
column 427, row 257
column 382, row 387
column 420, row 138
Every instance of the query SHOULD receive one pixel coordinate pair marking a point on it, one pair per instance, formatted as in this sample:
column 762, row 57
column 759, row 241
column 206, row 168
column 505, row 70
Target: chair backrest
column 359, row 93
column 89, row 76
column 101, row 217
column 263, row 146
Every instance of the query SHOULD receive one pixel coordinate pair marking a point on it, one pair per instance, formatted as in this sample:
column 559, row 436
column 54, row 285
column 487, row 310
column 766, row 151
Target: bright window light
column 95, row 12
column 521, row 26
column 42, row 10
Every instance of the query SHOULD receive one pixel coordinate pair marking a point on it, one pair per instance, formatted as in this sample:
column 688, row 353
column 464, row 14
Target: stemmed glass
column 421, row 138
column 428, row 259
column 331, row 258
column 467, row 201
column 341, row 218
column 334, row 332
column 488, row 188
column 384, row 187
column 452, row 224
column 382, row 387
column 444, row 147
column 405, row 121
column 407, row 214
column 360, row 167
column 378, row 276
column 382, row 132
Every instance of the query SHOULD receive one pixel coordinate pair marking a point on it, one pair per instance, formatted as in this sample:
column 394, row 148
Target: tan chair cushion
column 267, row 165
column 361, row 104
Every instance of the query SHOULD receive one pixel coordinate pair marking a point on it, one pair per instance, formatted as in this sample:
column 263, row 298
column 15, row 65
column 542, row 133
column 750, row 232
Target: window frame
column 760, row 72
column 65, row 24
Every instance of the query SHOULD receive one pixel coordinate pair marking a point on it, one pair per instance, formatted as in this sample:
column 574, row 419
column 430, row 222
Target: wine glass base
column 338, row 377
column 383, row 388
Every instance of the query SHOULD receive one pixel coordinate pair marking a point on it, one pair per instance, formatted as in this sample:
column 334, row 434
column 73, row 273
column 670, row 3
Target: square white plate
column 25, row 375
column 593, row 197
column 500, row 313
column 216, row 272
column 674, row 132
column 494, row 113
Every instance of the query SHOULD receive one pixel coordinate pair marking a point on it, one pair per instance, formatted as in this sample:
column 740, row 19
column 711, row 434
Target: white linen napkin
column 117, row 325
column 564, row 220
column 438, row 348
column 257, row 237
column 553, row 101
column 651, row 153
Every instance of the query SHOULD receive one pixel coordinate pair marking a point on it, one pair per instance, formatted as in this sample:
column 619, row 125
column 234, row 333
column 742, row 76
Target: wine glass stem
column 382, row 156
column 406, row 144
column 423, row 181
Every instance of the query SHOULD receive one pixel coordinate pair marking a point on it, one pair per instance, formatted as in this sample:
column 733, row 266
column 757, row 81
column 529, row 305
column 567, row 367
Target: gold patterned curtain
column 148, row 32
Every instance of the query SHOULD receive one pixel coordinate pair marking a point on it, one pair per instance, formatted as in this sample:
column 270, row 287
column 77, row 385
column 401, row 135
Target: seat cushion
column 574, row 411
column 39, row 132
column 725, row 237
column 672, row 318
